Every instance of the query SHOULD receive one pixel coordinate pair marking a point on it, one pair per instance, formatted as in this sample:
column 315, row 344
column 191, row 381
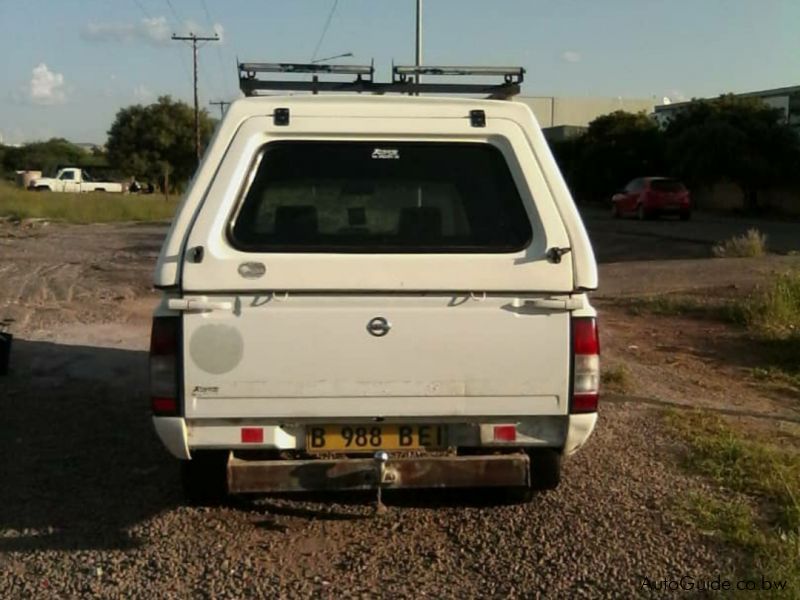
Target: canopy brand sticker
column 386, row 153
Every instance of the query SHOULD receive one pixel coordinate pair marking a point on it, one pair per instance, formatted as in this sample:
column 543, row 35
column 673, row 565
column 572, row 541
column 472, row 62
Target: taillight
column 164, row 365
column 586, row 378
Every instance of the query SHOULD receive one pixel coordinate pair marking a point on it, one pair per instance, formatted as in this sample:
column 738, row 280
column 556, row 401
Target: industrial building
column 564, row 118
column 786, row 99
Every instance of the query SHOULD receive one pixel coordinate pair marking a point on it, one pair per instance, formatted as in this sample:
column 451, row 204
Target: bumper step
column 507, row 470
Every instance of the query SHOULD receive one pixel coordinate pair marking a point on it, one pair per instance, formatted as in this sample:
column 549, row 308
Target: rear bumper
column 511, row 470
column 180, row 437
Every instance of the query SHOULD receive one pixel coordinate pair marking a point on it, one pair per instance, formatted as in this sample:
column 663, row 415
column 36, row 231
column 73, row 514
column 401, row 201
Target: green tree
column 616, row 148
column 736, row 139
column 143, row 139
column 45, row 156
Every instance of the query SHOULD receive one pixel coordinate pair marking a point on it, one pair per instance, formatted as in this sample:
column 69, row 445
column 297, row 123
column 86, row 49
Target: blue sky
column 67, row 66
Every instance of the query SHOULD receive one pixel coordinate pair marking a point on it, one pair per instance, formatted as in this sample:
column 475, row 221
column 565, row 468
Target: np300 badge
column 379, row 326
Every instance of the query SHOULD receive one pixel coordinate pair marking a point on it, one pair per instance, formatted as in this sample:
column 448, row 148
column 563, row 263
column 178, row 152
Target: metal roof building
column 563, row 118
column 786, row 99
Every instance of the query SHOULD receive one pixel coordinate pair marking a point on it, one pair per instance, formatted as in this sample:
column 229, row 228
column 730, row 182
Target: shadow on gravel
column 320, row 506
column 456, row 498
column 79, row 460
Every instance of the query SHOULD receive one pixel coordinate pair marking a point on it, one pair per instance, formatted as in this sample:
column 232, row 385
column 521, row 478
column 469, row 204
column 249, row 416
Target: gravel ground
column 90, row 503
column 92, row 507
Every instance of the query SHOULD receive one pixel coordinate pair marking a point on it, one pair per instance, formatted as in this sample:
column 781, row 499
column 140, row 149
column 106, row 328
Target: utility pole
column 195, row 39
column 222, row 104
column 418, row 59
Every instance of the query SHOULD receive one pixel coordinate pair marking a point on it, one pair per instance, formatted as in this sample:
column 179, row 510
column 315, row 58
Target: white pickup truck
column 75, row 180
column 365, row 291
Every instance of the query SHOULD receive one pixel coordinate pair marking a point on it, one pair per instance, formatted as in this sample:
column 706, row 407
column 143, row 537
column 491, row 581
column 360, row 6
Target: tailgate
column 309, row 356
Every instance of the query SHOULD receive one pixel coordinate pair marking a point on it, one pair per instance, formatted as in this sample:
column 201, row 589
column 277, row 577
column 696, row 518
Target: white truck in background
column 75, row 180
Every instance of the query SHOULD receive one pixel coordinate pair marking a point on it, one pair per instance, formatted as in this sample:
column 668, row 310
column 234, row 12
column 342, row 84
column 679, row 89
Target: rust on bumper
column 507, row 470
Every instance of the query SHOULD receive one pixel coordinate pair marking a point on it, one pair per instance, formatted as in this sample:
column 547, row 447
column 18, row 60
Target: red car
column 649, row 197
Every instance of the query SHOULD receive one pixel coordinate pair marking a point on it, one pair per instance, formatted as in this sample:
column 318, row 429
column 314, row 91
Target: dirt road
column 90, row 503
column 623, row 240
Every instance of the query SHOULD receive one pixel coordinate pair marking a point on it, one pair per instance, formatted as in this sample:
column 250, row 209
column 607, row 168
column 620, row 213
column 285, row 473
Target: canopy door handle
column 198, row 304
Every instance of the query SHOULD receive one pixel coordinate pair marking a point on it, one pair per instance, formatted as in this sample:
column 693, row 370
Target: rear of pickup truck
column 375, row 292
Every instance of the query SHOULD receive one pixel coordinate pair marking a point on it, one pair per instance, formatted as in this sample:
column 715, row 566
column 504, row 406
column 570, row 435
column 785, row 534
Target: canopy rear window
column 415, row 197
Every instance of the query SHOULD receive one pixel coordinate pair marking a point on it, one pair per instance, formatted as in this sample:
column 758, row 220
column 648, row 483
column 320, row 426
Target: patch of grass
column 662, row 305
column 774, row 374
column 93, row 207
column 616, row 378
column 775, row 308
column 732, row 520
column 743, row 463
column 750, row 244
column 771, row 314
column 762, row 520
column 683, row 306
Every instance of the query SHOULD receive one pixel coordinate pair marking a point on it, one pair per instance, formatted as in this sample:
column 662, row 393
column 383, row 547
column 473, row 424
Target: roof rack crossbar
column 507, row 72
column 403, row 79
column 261, row 67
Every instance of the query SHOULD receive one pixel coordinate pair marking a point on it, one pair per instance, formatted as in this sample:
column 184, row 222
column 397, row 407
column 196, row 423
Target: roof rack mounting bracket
column 477, row 118
column 280, row 117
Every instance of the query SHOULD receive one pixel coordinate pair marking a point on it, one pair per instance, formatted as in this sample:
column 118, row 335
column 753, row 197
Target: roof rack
column 250, row 84
column 405, row 79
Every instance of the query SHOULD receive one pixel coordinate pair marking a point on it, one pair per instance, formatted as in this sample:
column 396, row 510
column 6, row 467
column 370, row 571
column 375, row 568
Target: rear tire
column 545, row 468
column 518, row 495
column 545, row 474
column 640, row 213
column 204, row 478
column 685, row 215
column 615, row 211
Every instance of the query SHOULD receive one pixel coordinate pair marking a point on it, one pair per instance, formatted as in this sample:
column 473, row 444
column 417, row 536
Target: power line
column 210, row 21
column 179, row 23
column 142, row 8
column 195, row 39
column 174, row 12
column 147, row 15
column 222, row 104
column 208, row 14
column 210, row 80
column 325, row 29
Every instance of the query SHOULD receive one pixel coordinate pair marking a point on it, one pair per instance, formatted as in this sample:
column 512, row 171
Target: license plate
column 367, row 438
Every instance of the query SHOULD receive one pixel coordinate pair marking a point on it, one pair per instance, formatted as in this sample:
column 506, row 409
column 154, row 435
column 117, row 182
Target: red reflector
column 252, row 435
column 505, row 433
column 584, row 403
column 584, row 335
column 164, row 406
